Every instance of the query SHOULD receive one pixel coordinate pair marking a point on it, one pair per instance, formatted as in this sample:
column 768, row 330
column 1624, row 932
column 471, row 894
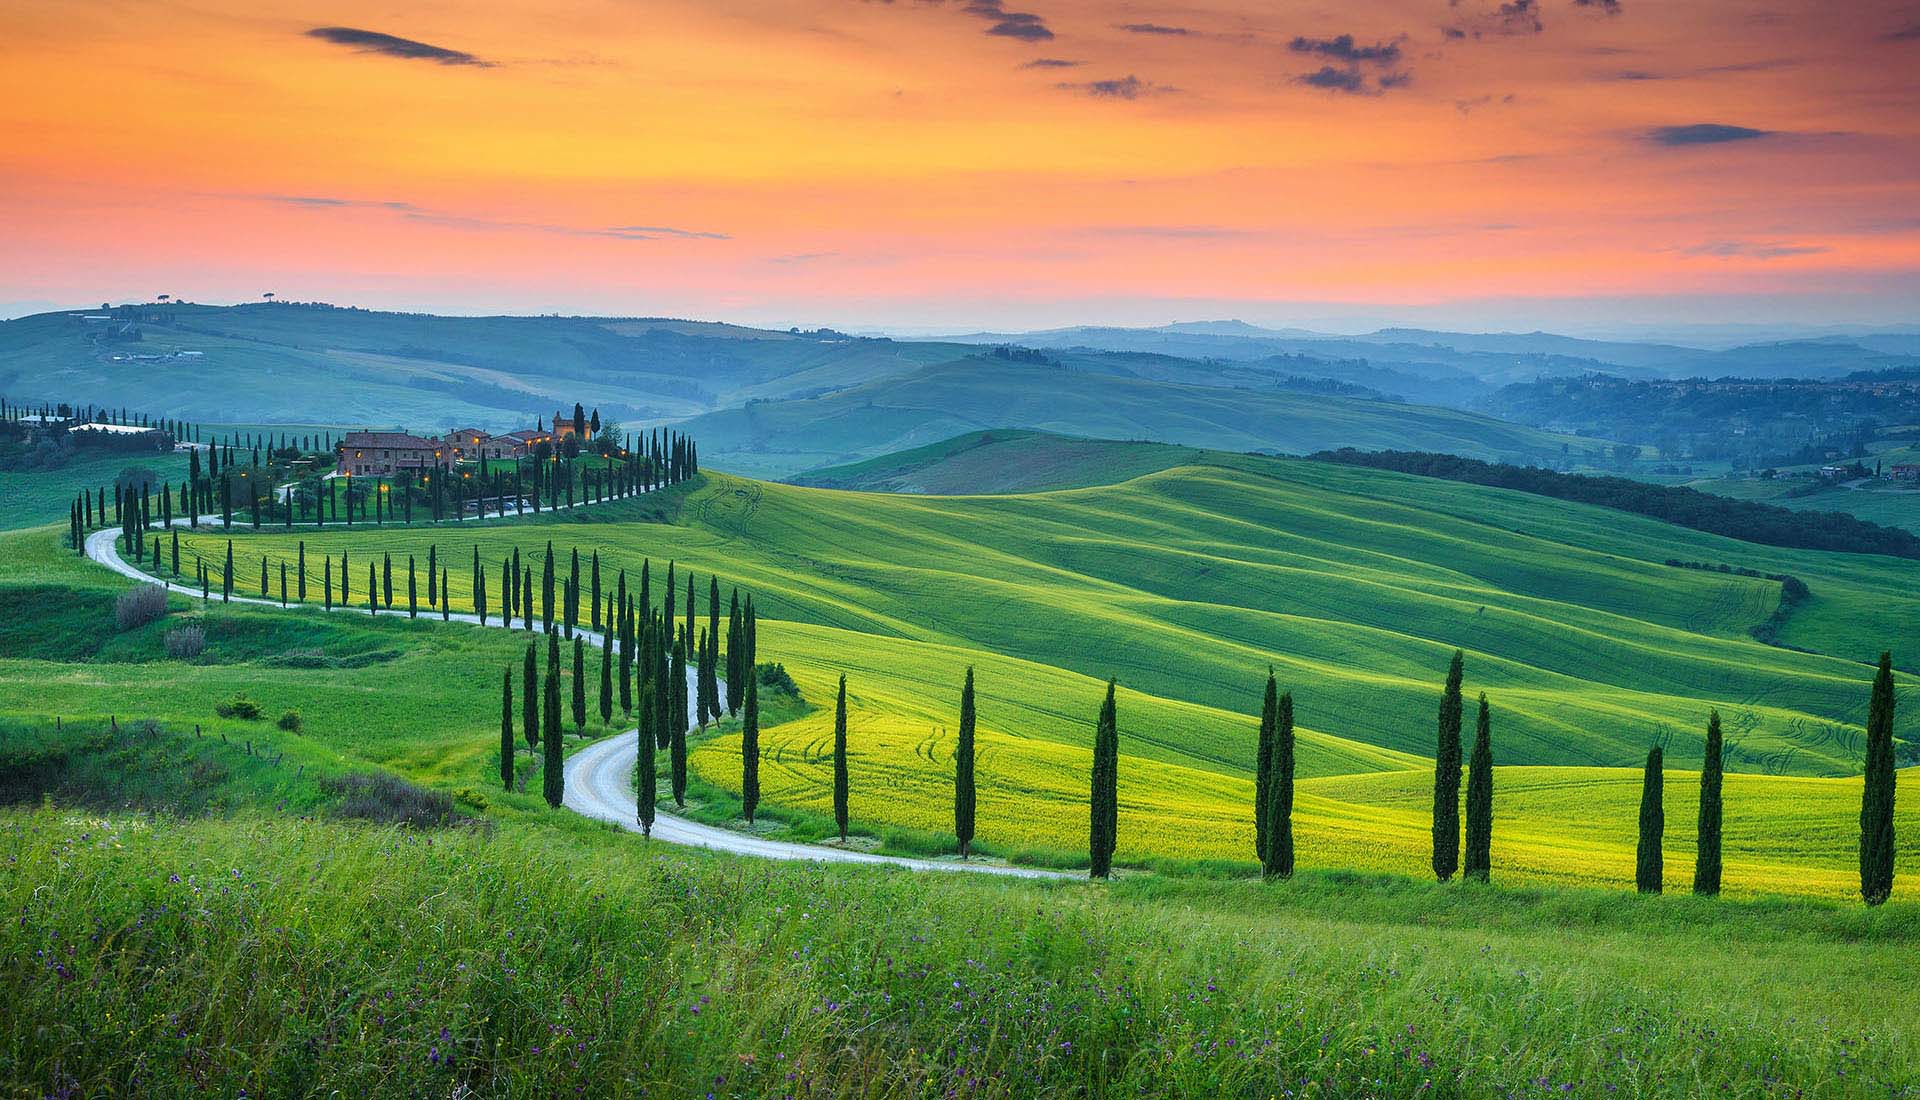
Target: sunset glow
column 970, row 163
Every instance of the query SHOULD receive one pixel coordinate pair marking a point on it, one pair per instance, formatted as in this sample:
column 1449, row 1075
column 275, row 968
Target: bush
column 186, row 642
column 774, row 678
column 290, row 721
column 390, row 800
column 145, row 604
column 239, row 707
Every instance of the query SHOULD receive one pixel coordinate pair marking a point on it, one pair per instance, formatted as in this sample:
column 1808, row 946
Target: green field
column 44, row 496
column 1186, row 583
column 278, row 956
column 151, row 872
column 783, row 438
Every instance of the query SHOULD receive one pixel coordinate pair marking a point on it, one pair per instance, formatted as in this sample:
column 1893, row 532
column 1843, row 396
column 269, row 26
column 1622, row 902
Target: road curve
column 599, row 777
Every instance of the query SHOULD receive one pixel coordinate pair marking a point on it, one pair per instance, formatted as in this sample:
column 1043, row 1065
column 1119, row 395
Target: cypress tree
column 413, row 597
column 1263, row 767
column 303, row 564
column 677, row 748
column 840, row 759
column 676, row 685
column 606, row 677
column 546, row 592
column 479, row 589
column 750, row 754
column 963, row 786
column 594, row 595
column 1277, row 860
column 446, row 606
column 506, row 729
column 433, row 574
column 573, row 593
column 735, row 688
column 226, row 580
column 328, row 581
column 530, row 699
column 750, row 630
column 373, row 590
column 1479, row 854
column 579, row 685
column 1103, row 828
column 646, row 776
column 346, row 596
column 690, row 607
column 386, row 576
column 700, row 673
column 1876, row 799
column 526, row 600
column 1706, row 862
column 1446, row 778
column 300, row 582
column 552, row 769
column 283, row 573
column 1649, row 869
column 624, row 629
column 263, row 567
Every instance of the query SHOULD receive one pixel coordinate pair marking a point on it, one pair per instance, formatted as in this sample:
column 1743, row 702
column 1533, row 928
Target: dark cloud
column 1752, row 250
column 1346, row 76
column 1609, row 7
column 1023, row 25
column 1150, row 28
column 1704, row 133
column 1336, row 79
column 802, row 257
column 1905, row 34
column 1001, row 23
column 1520, row 17
column 1052, row 63
column 1343, row 48
column 1126, row 87
column 326, row 201
column 362, row 41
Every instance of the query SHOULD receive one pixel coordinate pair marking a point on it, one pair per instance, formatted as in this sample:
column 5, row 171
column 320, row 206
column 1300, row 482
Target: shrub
column 467, row 796
column 239, row 707
column 145, row 604
column 290, row 721
column 774, row 678
column 390, row 800
column 186, row 642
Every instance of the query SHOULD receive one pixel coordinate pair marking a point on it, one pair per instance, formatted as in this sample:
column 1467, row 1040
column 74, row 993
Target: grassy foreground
column 285, row 957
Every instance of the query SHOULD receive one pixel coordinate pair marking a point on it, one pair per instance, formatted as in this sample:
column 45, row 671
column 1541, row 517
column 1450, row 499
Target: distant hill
column 1004, row 460
column 783, row 438
column 286, row 362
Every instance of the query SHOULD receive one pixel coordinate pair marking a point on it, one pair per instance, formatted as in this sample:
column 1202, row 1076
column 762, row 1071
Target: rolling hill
column 295, row 362
column 784, row 438
column 1189, row 581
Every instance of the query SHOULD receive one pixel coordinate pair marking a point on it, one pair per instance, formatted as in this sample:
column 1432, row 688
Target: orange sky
column 972, row 162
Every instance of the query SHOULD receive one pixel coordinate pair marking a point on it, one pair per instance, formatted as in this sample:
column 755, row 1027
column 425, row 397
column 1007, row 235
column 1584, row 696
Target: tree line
column 658, row 461
column 1746, row 520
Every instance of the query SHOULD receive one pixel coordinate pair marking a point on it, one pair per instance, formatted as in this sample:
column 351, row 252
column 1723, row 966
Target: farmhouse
column 382, row 454
column 1906, row 471
column 473, row 444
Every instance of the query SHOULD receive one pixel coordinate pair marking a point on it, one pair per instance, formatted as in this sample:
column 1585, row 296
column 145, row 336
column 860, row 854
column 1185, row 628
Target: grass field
column 1187, row 582
column 558, row 958
column 44, row 496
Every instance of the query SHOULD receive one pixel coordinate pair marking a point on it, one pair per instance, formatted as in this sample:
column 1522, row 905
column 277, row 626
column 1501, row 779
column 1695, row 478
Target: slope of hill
column 1002, row 460
column 1188, row 582
column 779, row 439
column 285, row 362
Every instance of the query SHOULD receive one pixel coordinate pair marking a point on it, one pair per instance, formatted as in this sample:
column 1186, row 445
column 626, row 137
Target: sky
column 947, row 165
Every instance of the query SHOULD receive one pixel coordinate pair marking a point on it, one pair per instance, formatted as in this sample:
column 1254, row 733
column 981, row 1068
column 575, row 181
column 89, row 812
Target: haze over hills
column 778, row 439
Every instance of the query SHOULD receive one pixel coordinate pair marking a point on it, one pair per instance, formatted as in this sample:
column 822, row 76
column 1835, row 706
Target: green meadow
column 1187, row 582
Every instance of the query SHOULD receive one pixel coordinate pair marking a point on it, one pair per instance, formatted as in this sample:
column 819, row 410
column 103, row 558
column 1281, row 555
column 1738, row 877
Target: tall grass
column 296, row 958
